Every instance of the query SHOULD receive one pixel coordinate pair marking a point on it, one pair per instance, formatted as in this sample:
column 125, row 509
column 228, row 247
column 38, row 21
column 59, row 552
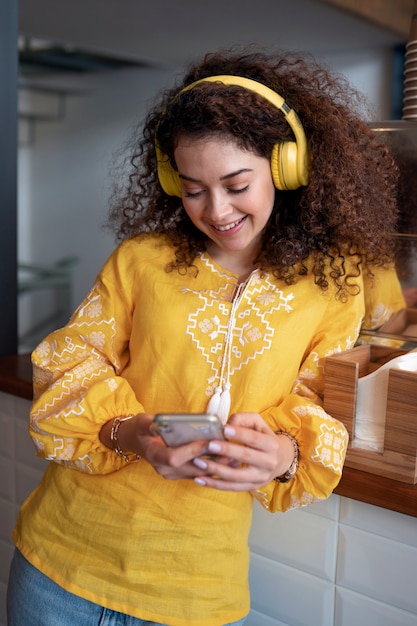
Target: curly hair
column 348, row 208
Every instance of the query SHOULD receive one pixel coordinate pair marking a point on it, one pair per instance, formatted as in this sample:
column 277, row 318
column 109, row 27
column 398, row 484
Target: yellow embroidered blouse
column 146, row 340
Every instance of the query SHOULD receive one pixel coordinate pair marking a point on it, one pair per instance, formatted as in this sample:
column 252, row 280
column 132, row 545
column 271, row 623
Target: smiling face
column 228, row 194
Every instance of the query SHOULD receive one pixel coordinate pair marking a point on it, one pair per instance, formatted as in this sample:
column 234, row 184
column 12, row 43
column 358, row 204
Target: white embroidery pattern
column 305, row 500
column 93, row 333
column 380, row 314
column 295, row 503
column 208, row 325
column 262, row 497
column 330, row 449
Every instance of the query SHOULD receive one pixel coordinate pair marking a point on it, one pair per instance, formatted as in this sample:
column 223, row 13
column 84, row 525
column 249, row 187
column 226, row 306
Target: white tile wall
column 308, row 547
column 360, row 560
column 336, row 563
column 290, row 594
column 20, row 472
column 356, row 609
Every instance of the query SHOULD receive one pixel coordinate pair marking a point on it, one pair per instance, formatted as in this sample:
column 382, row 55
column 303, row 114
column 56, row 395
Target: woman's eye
column 199, row 192
column 241, row 190
column 192, row 194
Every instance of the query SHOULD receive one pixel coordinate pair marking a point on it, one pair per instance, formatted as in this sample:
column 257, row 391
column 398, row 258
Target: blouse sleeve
column 76, row 376
column 383, row 297
column 322, row 440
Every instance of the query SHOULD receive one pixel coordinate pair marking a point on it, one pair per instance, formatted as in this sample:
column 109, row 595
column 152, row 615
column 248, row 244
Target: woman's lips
column 229, row 226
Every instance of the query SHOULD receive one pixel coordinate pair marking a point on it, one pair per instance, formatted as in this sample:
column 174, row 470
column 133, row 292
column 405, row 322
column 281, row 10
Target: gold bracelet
column 115, row 441
column 284, row 478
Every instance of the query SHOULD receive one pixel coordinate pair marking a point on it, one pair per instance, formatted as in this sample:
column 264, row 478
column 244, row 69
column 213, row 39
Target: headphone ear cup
column 168, row 177
column 284, row 166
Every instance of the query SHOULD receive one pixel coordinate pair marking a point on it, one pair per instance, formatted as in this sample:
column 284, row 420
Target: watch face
column 287, row 476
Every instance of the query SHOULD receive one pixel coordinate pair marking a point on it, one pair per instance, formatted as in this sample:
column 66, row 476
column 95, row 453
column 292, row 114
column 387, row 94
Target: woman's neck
column 238, row 263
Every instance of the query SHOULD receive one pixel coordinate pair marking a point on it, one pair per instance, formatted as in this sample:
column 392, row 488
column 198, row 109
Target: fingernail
column 214, row 447
column 200, row 463
column 229, row 431
column 200, row 481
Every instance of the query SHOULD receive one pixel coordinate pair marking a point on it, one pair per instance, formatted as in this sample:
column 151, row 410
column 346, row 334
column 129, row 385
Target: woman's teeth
column 228, row 226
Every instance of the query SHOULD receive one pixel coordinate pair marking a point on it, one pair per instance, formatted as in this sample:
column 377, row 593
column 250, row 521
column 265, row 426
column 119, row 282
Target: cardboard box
column 398, row 460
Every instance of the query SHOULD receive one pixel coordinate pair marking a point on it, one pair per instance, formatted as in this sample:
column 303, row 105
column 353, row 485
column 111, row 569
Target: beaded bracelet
column 115, row 441
column 294, row 464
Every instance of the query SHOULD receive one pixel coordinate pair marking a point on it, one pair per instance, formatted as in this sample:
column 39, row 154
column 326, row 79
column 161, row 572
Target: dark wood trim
column 379, row 491
column 393, row 15
column 8, row 175
column 16, row 375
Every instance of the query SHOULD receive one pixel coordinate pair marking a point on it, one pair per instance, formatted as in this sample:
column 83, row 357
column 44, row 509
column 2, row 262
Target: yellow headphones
column 289, row 159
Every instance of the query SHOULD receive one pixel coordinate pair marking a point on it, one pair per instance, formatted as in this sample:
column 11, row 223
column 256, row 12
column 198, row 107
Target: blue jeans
column 34, row 599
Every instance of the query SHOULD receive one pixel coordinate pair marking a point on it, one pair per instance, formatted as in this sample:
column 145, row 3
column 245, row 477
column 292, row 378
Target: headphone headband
column 289, row 160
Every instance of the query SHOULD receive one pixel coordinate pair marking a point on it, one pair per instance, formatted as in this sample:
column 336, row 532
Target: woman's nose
column 218, row 206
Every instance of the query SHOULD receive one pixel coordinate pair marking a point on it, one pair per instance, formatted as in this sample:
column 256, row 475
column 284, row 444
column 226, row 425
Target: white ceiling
column 169, row 33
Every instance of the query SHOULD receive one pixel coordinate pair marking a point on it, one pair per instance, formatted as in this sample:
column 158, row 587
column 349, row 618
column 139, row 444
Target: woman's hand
column 251, row 457
column 135, row 436
column 171, row 463
column 410, row 297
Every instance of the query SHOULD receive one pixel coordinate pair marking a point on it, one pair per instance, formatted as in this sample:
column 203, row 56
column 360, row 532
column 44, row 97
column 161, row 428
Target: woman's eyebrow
column 241, row 171
column 225, row 177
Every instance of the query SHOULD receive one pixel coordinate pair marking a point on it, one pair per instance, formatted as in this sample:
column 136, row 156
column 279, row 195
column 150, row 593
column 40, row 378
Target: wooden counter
column 378, row 490
column 16, row 379
column 16, row 375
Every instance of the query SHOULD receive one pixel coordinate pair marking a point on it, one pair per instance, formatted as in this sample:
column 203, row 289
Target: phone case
column 176, row 429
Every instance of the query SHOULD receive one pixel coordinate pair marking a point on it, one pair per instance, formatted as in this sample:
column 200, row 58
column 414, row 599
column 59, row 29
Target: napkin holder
column 398, row 458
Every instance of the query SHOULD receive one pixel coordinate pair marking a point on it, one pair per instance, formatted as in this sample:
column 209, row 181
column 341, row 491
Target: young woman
column 255, row 226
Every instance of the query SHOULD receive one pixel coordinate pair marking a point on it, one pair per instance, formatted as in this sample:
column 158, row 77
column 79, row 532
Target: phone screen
column 177, row 429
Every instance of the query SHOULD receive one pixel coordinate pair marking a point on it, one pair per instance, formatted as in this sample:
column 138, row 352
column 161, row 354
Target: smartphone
column 177, row 429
